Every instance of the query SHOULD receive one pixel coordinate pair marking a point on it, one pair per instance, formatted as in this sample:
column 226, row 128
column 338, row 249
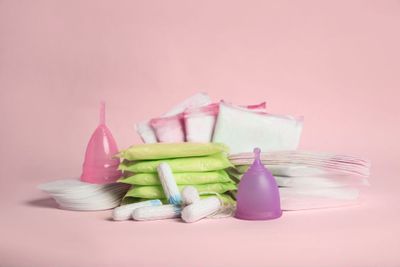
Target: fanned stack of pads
column 201, row 165
column 73, row 194
column 241, row 128
column 310, row 180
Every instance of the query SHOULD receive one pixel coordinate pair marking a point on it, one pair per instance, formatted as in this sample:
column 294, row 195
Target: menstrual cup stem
column 102, row 113
column 257, row 155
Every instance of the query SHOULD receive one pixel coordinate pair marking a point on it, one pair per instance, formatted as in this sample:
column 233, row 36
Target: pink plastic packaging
column 258, row 194
column 146, row 131
column 169, row 129
column 261, row 106
column 199, row 122
column 100, row 166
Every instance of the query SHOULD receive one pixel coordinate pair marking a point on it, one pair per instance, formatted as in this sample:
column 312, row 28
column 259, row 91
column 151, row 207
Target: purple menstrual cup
column 258, row 195
column 100, row 166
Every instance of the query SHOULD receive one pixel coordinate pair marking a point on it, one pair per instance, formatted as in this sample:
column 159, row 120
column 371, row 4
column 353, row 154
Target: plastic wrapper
column 181, row 178
column 195, row 164
column 171, row 150
column 156, row 192
column 145, row 129
column 169, row 129
column 200, row 122
column 242, row 130
column 226, row 198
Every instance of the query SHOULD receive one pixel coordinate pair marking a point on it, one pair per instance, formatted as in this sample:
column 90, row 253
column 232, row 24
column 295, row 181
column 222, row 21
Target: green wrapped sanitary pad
column 183, row 178
column 242, row 168
column 171, row 150
column 213, row 162
column 154, row 191
column 226, row 198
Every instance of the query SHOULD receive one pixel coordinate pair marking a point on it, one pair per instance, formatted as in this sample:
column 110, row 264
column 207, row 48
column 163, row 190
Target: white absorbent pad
column 308, row 162
column 302, row 199
column 327, row 180
column 73, row 194
column 243, row 130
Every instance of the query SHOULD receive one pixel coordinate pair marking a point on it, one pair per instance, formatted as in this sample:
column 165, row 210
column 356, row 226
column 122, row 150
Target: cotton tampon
column 124, row 212
column 200, row 209
column 189, row 195
column 152, row 213
column 169, row 185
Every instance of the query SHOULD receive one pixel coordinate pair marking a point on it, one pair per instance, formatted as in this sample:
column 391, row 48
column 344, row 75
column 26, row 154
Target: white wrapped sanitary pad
column 146, row 132
column 243, row 130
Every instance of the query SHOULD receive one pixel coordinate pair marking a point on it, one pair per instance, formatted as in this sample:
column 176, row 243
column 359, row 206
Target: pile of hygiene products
column 309, row 180
column 200, row 165
column 205, row 159
column 96, row 189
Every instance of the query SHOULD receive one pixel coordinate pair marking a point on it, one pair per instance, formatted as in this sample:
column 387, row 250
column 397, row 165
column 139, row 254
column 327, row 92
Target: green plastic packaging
column 183, row 178
column 226, row 198
column 154, row 191
column 213, row 162
column 171, row 150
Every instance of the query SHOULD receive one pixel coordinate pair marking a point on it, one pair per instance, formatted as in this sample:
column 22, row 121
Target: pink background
column 335, row 62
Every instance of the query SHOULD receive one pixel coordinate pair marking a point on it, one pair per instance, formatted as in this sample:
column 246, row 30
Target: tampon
column 152, row 213
column 189, row 195
column 200, row 209
column 124, row 212
column 168, row 183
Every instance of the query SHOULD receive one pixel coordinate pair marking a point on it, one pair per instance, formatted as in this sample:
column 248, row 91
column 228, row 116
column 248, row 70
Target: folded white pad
column 73, row 194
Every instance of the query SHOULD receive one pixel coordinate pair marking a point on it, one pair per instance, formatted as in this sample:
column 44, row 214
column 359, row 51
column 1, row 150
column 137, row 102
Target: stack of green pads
column 201, row 165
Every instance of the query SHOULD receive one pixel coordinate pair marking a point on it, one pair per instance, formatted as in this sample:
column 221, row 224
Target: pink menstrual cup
column 258, row 194
column 100, row 166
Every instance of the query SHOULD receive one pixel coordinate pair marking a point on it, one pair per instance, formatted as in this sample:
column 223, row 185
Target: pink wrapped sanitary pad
column 262, row 106
column 199, row 122
column 169, row 129
column 145, row 129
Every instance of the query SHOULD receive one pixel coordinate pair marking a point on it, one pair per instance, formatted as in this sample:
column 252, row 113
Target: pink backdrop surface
column 335, row 62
